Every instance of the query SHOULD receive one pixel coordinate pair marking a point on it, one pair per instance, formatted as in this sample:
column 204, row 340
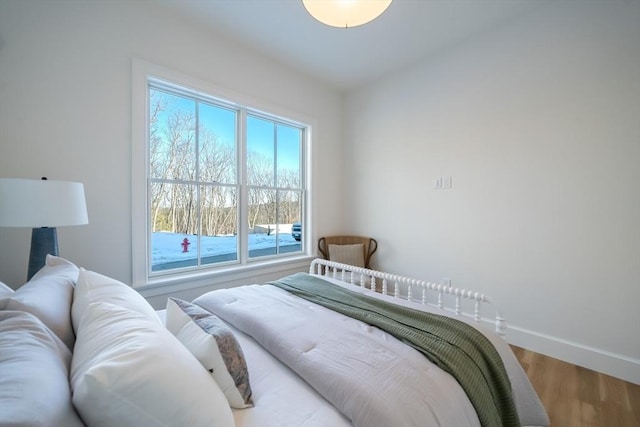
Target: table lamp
column 42, row 205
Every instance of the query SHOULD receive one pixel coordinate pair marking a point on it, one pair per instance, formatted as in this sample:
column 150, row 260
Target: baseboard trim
column 609, row 363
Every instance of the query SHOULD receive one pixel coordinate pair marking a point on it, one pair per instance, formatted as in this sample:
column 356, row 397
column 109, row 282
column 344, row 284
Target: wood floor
column 577, row 397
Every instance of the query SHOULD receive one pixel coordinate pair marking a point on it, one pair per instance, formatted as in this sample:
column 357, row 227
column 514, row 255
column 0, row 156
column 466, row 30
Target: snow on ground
column 167, row 247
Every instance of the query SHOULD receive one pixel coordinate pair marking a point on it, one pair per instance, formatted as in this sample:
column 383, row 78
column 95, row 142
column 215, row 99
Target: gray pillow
column 34, row 374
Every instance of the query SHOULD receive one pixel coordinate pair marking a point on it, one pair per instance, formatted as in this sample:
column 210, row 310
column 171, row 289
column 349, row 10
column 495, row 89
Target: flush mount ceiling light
column 346, row 13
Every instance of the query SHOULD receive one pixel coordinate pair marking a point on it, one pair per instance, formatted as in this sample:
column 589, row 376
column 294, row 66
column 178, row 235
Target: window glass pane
column 174, row 242
column 290, row 214
column 171, row 136
column 289, row 140
column 260, row 152
column 262, row 222
column 217, row 139
column 219, row 212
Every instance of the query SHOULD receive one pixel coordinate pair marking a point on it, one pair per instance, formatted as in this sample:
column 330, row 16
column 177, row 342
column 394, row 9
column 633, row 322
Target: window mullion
column 275, row 185
column 198, row 185
column 243, row 205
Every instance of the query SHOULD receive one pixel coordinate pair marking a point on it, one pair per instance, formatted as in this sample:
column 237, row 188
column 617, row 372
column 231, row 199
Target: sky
column 260, row 132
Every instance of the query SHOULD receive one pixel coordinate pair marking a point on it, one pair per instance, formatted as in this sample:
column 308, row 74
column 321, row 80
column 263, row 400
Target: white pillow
column 55, row 264
column 34, row 374
column 208, row 338
column 48, row 296
column 93, row 287
column 5, row 290
column 128, row 370
column 347, row 254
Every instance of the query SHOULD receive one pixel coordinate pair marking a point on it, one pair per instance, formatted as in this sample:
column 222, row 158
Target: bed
column 293, row 352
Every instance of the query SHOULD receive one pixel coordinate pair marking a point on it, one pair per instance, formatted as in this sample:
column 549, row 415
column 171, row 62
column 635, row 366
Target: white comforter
column 370, row 376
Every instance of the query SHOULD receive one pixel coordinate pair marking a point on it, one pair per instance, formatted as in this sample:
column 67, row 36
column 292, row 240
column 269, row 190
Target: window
column 224, row 183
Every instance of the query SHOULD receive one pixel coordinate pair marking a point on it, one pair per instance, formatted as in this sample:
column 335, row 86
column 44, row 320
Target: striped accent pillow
column 211, row 341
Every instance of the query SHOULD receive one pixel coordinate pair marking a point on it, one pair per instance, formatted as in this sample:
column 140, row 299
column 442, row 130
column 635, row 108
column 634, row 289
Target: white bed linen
column 372, row 377
column 529, row 407
column 281, row 398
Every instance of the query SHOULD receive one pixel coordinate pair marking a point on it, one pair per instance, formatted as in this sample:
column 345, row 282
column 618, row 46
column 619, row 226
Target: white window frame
column 142, row 73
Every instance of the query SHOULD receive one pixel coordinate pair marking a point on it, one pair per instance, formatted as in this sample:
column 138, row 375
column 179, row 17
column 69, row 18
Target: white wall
column 65, row 111
column 538, row 124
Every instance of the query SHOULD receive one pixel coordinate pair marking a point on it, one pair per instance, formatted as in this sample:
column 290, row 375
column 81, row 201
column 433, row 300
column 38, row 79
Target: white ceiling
column 409, row 30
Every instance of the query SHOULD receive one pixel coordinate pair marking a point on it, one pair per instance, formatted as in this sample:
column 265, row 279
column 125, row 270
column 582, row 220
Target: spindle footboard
column 461, row 302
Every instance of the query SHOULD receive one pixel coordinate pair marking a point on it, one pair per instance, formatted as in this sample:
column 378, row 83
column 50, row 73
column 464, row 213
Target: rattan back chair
column 369, row 246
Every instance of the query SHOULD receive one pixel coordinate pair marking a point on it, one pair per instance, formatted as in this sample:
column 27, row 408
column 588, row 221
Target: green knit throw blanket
column 451, row 344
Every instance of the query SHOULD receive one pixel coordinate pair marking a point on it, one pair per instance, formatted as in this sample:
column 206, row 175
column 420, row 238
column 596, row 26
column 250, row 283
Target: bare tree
column 171, row 154
column 194, row 176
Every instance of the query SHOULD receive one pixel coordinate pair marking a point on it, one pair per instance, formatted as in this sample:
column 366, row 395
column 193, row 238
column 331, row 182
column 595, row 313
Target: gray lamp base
column 43, row 241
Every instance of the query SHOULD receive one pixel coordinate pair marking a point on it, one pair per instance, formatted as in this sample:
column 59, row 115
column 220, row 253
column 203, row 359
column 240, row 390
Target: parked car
column 296, row 231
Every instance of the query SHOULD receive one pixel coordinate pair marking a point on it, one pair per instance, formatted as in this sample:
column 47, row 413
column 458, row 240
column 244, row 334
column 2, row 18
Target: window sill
column 224, row 277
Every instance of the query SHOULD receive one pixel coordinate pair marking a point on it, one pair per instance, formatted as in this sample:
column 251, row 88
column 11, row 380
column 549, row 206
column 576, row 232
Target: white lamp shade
column 41, row 203
column 345, row 13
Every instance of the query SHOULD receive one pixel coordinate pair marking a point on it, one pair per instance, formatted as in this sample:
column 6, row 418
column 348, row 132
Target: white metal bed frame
column 403, row 288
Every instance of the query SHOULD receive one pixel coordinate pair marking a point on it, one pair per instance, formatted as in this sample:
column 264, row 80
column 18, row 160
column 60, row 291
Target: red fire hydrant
column 185, row 245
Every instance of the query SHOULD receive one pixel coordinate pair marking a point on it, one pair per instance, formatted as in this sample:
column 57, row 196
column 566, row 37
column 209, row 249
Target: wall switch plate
column 446, row 282
column 446, row 182
column 437, row 183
